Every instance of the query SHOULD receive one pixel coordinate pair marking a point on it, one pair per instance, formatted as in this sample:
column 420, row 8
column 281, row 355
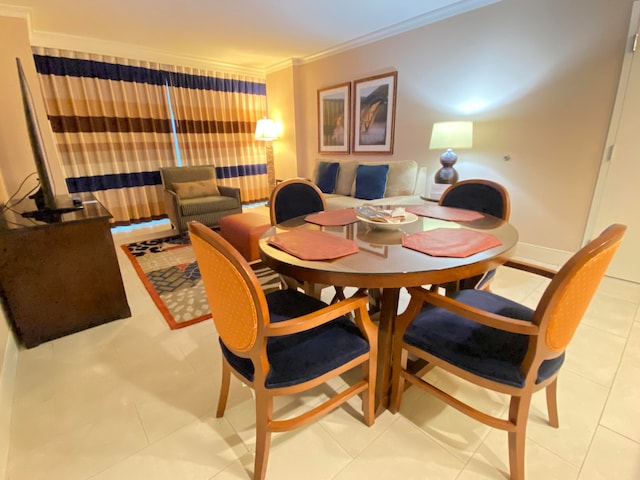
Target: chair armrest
column 233, row 192
column 472, row 313
column 531, row 268
column 172, row 202
column 356, row 303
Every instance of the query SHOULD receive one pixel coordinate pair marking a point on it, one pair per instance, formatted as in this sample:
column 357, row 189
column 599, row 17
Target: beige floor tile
column 197, row 451
column 620, row 289
column 346, row 425
column 491, row 461
column 611, row 456
column 595, row 354
column 580, row 404
column 242, row 415
column 459, row 434
column 402, row 451
column 74, row 443
column 611, row 314
column 309, row 453
column 622, row 411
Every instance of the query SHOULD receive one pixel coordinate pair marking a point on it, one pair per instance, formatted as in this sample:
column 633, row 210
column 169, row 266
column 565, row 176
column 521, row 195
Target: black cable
column 8, row 205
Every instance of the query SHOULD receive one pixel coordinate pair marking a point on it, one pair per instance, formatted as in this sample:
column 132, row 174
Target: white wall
column 538, row 78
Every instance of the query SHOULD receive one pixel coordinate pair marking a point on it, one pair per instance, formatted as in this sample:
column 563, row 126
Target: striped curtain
column 112, row 123
column 215, row 121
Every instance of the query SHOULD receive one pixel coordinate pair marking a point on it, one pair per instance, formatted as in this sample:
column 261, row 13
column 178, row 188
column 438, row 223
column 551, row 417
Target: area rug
column 168, row 269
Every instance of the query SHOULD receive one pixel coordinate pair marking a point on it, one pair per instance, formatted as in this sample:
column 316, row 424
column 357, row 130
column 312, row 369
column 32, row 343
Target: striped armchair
column 192, row 193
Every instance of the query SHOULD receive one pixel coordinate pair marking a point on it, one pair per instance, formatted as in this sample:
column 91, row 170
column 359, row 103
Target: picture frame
column 334, row 118
column 374, row 113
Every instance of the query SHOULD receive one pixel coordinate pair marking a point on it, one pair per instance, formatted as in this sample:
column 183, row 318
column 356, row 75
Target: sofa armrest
column 421, row 182
column 233, row 192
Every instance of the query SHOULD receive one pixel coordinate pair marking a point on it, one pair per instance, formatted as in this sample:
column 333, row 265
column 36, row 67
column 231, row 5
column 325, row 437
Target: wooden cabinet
column 60, row 277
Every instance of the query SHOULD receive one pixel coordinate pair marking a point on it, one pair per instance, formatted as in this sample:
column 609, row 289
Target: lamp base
column 447, row 174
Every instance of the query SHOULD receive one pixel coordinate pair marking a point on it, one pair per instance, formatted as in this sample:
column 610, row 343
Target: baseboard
column 7, row 383
column 542, row 255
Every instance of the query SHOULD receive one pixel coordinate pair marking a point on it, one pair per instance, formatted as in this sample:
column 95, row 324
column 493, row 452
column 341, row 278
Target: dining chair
column 282, row 343
column 482, row 196
column 293, row 198
column 499, row 344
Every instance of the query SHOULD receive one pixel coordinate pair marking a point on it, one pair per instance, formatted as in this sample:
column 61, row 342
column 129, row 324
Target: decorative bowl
column 408, row 218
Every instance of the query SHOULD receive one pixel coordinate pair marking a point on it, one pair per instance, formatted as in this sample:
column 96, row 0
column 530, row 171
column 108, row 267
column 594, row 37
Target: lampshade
column 266, row 130
column 452, row 135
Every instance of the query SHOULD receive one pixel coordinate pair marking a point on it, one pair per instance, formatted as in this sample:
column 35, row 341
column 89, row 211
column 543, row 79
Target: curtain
column 112, row 122
column 215, row 121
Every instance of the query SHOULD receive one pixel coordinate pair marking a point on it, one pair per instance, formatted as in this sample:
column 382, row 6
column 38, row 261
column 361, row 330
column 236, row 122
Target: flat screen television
column 49, row 205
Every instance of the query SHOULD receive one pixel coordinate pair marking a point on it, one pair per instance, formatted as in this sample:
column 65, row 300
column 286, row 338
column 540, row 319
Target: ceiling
column 253, row 34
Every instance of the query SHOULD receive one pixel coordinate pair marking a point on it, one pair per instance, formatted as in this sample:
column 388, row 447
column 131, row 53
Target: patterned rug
column 168, row 269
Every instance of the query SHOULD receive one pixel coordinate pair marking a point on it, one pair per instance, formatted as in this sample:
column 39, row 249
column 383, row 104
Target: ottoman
column 243, row 230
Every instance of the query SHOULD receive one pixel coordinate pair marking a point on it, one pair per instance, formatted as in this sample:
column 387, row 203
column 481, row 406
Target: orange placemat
column 450, row 242
column 313, row 244
column 344, row 216
column 445, row 213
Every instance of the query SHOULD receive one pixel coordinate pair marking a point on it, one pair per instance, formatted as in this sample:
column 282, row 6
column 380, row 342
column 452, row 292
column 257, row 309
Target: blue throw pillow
column 326, row 176
column 371, row 181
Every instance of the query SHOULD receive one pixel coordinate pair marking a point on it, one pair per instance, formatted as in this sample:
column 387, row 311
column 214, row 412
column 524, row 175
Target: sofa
column 347, row 183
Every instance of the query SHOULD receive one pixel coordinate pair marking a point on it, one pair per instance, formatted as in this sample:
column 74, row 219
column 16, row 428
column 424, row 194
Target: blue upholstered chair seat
column 485, row 351
column 303, row 356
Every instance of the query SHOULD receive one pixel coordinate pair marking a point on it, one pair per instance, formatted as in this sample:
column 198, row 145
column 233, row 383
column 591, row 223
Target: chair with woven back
column 499, row 344
column 284, row 342
column 293, row 198
column 479, row 195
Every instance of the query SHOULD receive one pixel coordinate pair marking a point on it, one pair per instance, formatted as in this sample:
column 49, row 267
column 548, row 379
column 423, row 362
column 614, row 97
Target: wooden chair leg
column 552, row 403
column 224, row 388
column 518, row 415
column 369, row 395
column 399, row 363
column 264, row 412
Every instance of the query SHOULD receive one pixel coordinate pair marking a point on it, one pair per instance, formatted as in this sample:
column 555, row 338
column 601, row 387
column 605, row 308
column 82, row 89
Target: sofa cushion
column 401, row 179
column 346, row 177
column 326, row 176
column 198, row 188
column 371, row 181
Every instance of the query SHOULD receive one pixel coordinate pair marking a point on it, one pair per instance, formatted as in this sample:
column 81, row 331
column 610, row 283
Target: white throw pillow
column 402, row 178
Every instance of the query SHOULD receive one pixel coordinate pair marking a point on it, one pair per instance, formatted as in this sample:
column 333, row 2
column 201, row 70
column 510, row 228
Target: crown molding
column 126, row 50
column 17, row 12
column 118, row 49
column 416, row 22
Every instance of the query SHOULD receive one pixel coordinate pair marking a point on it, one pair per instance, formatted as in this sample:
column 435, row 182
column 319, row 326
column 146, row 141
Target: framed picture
column 374, row 113
column 334, row 118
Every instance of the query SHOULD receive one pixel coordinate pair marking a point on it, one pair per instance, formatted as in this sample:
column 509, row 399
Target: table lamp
column 450, row 135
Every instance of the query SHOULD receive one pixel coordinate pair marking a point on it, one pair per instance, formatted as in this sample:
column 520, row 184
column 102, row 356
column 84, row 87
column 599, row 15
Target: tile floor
column 132, row 399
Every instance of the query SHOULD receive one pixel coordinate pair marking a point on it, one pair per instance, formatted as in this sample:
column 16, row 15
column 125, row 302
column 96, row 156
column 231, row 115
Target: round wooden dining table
column 383, row 263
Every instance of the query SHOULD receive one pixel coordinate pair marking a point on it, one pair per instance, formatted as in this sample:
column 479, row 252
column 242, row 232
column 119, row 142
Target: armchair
column 499, row 344
column 193, row 193
column 283, row 343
